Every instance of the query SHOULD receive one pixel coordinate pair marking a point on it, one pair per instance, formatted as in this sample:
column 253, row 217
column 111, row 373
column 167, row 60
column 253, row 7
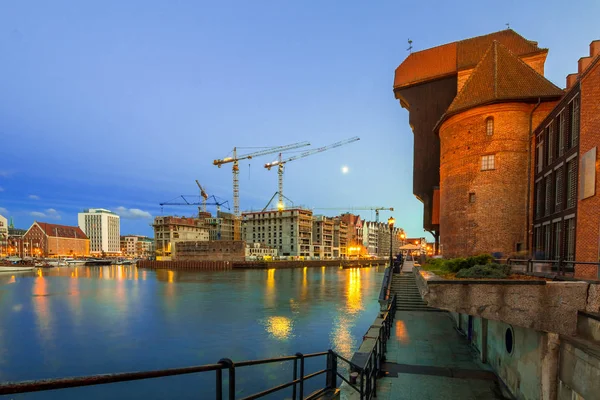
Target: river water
column 92, row 320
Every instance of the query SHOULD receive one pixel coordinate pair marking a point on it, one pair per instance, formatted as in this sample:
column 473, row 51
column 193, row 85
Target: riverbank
column 228, row 265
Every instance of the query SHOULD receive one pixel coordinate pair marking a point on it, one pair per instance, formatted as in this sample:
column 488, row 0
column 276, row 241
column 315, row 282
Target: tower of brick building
column 472, row 106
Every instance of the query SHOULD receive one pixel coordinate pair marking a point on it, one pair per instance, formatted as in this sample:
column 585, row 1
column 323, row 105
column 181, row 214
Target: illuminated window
column 489, row 126
column 488, row 162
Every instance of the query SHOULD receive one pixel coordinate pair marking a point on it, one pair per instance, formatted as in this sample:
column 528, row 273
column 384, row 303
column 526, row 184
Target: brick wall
column 588, row 210
column 214, row 250
column 485, row 211
column 68, row 247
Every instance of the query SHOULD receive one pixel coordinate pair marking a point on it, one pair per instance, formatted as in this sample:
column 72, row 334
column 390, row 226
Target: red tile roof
column 501, row 76
column 448, row 59
column 63, row 231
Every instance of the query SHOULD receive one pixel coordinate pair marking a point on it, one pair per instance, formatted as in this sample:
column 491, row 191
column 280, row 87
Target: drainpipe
column 528, row 239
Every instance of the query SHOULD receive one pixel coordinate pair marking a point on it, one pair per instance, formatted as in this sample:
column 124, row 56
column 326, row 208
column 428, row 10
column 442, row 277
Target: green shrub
column 493, row 271
column 456, row 264
column 482, row 259
column 434, row 263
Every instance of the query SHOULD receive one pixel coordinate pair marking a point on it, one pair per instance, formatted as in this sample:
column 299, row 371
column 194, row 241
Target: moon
column 345, row 169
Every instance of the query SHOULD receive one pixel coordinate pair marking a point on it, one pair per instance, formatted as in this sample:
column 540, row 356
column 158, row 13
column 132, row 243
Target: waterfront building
column 566, row 205
column 370, row 237
column 322, row 237
column 171, row 229
column 209, row 250
column 259, row 251
column 51, row 240
column 355, row 234
column 225, row 226
column 472, row 104
column 137, row 246
column 289, row 230
column 340, row 238
column 3, row 236
column 15, row 240
column 103, row 228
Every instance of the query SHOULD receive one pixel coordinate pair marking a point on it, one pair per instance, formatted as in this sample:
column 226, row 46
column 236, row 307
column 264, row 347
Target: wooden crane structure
column 236, row 170
column 280, row 164
column 376, row 209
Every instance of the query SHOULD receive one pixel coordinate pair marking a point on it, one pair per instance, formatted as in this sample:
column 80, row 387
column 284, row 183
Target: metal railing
column 386, row 284
column 560, row 266
column 297, row 382
column 367, row 388
column 366, row 383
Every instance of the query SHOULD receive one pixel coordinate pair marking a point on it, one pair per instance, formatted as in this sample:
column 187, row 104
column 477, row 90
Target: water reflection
column 279, row 327
column 41, row 307
column 270, row 296
column 353, row 292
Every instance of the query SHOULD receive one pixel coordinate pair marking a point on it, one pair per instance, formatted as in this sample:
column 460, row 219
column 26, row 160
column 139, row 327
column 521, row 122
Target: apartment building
column 52, row 240
column 371, row 236
column 137, row 246
column 340, row 238
column 169, row 230
column 289, row 231
column 322, row 237
column 225, row 226
column 103, row 228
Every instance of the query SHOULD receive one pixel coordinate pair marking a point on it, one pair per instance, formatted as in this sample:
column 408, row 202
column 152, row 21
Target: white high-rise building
column 103, row 228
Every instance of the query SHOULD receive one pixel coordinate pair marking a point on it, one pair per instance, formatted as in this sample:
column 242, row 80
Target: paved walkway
column 428, row 359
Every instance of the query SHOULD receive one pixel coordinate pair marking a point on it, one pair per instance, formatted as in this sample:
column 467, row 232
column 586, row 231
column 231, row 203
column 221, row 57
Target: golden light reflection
column 353, row 291
column 40, row 305
column 143, row 275
column 170, row 276
column 120, row 273
column 270, row 289
column 304, row 290
column 12, row 279
column 342, row 339
column 401, row 332
column 279, row 327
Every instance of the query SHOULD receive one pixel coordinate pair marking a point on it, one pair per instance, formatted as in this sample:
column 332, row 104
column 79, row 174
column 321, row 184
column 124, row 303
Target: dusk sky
column 123, row 104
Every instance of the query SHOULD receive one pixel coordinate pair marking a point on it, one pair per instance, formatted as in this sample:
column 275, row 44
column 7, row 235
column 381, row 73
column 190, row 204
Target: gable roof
column 63, row 231
column 501, row 76
column 448, row 59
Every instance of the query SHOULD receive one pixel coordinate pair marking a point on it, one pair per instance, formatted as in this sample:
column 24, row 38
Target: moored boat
column 16, row 268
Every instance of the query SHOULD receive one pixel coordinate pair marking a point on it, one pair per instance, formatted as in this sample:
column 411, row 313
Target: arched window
column 489, row 126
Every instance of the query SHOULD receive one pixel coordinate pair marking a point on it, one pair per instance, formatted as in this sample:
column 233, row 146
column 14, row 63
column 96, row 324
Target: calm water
column 92, row 320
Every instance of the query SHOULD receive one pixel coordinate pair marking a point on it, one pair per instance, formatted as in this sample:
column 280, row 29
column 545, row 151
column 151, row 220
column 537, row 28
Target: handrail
column 384, row 293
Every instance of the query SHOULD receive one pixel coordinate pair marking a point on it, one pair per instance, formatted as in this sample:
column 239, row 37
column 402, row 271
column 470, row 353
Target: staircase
column 408, row 297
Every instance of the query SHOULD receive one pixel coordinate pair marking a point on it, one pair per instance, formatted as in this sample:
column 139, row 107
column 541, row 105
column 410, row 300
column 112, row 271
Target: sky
column 122, row 105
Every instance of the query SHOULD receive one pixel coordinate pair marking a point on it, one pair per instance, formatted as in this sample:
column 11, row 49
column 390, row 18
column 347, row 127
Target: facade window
column 539, row 157
column 570, row 231
column 549, row 141
column 560, row 122
column 548, row 202
column 571, row 184
column 488, row 162
column 489, row 126
column 558, row 190
column 574, row 117
column 547, row 242
column 538, row 199
column 471, row 197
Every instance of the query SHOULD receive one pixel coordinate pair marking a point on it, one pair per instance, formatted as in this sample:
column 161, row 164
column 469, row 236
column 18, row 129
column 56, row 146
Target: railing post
column 529, row 265
column 331, row 370
column 362, row 384
column 219, row 384
column 301, row 357
column 229, row 364
column 295, row 377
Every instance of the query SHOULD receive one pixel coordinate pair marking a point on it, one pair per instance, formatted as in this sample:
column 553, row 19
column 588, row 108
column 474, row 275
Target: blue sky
column 122, row 105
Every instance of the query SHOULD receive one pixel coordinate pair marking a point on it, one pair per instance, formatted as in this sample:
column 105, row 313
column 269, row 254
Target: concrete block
column 593, row 299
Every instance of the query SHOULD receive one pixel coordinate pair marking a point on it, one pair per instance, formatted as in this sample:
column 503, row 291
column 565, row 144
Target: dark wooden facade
column 556, row 149
column 426, row 104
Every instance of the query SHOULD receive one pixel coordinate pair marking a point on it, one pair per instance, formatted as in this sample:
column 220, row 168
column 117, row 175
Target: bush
column 456, row 264
column 434, row 263
column 482, row 259
column 494, row 271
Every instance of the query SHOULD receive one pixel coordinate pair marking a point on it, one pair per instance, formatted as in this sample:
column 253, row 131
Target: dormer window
column 489, row 126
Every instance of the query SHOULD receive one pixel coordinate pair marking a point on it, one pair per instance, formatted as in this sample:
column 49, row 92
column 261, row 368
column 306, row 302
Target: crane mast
column 236, row 170
column 280, row 163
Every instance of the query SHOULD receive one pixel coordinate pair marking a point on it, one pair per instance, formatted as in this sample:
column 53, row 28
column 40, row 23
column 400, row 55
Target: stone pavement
column 428, row 359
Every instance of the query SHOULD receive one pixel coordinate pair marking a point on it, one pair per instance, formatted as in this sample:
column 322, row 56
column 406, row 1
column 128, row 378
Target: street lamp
column 391, row 221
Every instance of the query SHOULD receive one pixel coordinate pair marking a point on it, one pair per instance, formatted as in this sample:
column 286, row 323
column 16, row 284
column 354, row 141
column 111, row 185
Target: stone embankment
column 227, row 265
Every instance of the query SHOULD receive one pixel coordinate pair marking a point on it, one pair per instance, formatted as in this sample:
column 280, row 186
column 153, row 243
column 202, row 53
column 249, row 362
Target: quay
column 228, row 265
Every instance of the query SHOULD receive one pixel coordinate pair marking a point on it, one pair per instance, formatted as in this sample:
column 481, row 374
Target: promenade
column 428, row 359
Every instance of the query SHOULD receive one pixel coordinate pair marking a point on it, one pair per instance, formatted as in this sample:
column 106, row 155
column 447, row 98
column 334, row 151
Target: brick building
column 213, row 250
column 472, row 104
column 566, row 208
column 52, row 240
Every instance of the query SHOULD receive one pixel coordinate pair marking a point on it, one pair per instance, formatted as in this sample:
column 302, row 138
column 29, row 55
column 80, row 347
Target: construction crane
column 203, row 195
column 185, row 202
column 235, row 159
column 280, row 163
column 376, row 209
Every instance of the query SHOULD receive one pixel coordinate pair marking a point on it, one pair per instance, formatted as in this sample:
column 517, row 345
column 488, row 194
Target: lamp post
column 391, row 221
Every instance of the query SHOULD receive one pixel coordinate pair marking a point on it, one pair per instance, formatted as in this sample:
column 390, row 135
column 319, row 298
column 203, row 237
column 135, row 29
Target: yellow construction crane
column 236, row 170
column 280, row 163
column 376, row 209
